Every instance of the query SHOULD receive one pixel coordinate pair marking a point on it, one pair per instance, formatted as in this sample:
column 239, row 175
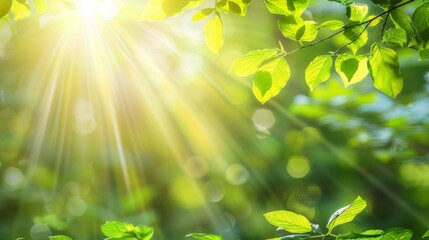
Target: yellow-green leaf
column 332, row 25
column 286, row 7
column 355, row 38
column 309, row 33
column 200, row 15
column 318, row 71
column 5, row 6
column 40, row 5
column 352, row 69
column 213, row 31
column 357, row 11
column 290, row 26
column 346, row 214
column 20, row 10
column 204, row 236
column 290, row 221
column 384, row 69
column 270, row 79
column 250, row 62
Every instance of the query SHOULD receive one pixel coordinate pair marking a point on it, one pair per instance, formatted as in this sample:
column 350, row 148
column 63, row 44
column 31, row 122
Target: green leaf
column 346, row 214
column 290, row 25
column 308, row 32
column 318, row 71
column 213, row 31
column 356, row 12
column 352, row 69
column 371, row 234
column 40, row 5
column 60, row 237
column 295, row 236
column 270, row 79
column 395, row 36
column 384, row 69
column 402, row 20
column 204, row 236
column 426, row 234
column 290, row 221
column 355, row 37
column 398, row 234
column 5, row 6
column 286, row 7
column 424, row 54
column 143, row 232
column 236, row 7
column 250, row 62
column 332, row 25
column 115, row 229
column 200, row 15
column 421, row 21
column 20, row 10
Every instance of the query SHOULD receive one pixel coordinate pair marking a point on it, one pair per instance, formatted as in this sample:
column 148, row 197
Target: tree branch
column 367, row 22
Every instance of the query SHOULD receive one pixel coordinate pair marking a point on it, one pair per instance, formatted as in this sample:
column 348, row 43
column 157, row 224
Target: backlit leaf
column 346, row 214
column 384, row 69
column 398, row 234
column 270, row 79
column 367, row 235
column 115, row 229
column 40, row 5
column 236, row 7
column 59, row 237
column 250, row 62
column 332, row 25
column 200, row 15
column 204, row 236
column 20, row 10
column 213, row 31
column 352, row 69
column 286, row 7
column 290, row 221
column 355, row 37
column 357, row 12
column 318, row 71
column 143, row 232
column 395, row 36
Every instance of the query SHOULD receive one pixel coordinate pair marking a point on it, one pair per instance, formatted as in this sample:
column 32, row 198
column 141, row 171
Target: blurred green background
column 140, row 123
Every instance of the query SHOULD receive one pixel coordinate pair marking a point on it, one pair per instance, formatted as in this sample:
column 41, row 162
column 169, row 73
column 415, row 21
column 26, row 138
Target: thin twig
column 384, row 27
column 353, row 40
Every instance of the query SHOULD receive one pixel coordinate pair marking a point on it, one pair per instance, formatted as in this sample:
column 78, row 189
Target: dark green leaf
column 402, row 20
column 398, row 234
column 383, row 65
column 421, row 21
column 234, row 7
column 371, row 234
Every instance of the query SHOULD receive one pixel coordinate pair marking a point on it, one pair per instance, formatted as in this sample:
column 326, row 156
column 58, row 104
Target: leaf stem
column 384, row 27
